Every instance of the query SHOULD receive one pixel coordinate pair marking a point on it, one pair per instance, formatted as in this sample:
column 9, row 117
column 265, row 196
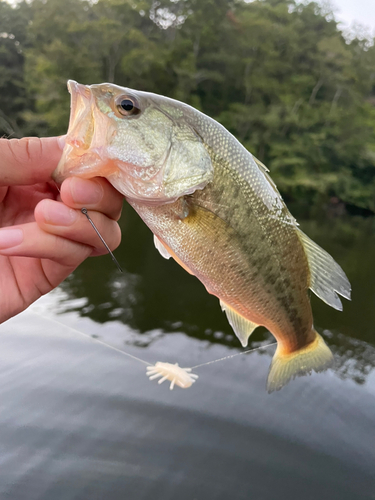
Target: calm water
column 80, row 421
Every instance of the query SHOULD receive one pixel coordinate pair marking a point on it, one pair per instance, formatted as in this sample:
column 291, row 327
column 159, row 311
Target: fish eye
column 127, row 106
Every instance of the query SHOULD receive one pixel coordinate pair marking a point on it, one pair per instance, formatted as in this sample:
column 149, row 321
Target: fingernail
column 85, row 192
column 58, row 214
column 10, row 238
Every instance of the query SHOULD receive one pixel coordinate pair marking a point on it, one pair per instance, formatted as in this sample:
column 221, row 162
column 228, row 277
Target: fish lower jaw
column 87, row 165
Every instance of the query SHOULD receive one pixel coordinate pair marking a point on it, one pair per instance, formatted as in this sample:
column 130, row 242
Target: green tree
column 279, row 75
column 13, row 39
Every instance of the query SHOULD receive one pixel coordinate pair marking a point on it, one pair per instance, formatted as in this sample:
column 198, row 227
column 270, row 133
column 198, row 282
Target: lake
column 81, row 421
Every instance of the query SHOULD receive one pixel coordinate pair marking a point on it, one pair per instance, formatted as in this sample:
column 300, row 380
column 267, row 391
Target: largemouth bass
column 213, row 207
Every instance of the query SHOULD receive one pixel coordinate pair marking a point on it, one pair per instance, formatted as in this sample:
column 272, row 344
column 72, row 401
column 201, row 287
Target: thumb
column 29, row 160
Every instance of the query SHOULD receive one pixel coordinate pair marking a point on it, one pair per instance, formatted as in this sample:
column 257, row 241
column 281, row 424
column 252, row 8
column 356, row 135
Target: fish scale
column 246, row 275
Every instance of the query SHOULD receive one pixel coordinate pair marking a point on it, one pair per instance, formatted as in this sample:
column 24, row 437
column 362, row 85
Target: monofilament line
column 95, row 339
column 84, row 211
column 234, row 355
column 142, row 360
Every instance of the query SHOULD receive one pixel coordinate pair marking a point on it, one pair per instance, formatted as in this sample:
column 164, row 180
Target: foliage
column 279, row 75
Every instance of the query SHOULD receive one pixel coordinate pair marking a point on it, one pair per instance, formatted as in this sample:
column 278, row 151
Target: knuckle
column 69, row 252
column 26, row 155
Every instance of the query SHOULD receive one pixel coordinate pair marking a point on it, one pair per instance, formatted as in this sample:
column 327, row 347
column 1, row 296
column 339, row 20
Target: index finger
column 29, row 160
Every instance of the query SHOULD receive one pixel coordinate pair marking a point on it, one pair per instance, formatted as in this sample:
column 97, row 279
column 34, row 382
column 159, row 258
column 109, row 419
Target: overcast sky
column 346, row 11
column 360, row 11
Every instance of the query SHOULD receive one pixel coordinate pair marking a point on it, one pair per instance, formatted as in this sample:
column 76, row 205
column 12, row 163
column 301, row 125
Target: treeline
column 279, row 76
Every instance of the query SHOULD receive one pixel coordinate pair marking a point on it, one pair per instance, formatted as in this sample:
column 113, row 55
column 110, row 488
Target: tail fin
column 285, row 367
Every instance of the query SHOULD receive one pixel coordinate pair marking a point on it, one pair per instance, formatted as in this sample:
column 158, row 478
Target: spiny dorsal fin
column 162, row 250
column 242, row 327
column 326, row 276
column 288, row 217
column 260, row 164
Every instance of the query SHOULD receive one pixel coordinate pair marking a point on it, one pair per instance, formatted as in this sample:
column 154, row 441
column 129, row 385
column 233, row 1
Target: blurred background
column 280, row 75
column 79, row 421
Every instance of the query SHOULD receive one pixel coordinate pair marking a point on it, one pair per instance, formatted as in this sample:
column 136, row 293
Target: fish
column 214, row 208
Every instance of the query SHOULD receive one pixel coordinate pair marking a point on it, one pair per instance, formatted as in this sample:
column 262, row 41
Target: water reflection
column 154, row 295
column 79, row 420
column 354, row 359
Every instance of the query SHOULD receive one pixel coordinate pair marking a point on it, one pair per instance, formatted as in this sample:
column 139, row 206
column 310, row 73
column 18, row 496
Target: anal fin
column 242, row 327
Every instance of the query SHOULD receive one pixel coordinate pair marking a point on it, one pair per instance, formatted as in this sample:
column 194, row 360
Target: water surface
column 80, row 421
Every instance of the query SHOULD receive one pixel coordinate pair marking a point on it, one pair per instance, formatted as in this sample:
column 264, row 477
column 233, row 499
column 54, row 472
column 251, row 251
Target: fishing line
column 234, row 355
column 94, row 339
column 56, row 186
column 177, row 375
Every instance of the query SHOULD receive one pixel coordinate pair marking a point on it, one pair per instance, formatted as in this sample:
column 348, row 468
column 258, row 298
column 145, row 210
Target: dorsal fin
column 260, row 164
column 242, row 327
column 326, row 276
column 288, row 217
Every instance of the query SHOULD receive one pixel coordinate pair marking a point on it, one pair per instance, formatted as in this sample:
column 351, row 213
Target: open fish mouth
column 81, row 123
column 84, row 153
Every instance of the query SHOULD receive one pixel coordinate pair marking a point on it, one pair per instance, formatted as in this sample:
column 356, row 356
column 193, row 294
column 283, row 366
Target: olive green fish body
column 241, row 250
column 213, row 207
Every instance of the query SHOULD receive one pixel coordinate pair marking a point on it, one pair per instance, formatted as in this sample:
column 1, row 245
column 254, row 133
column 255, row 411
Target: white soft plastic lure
column 177, row 375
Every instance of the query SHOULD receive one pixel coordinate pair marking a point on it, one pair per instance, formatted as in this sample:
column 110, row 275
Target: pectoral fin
column 167, row 253
column 162, row 250
column 242, row 327
column 326, row 276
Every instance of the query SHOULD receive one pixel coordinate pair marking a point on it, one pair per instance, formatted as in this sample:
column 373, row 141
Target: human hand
column 44, row 236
